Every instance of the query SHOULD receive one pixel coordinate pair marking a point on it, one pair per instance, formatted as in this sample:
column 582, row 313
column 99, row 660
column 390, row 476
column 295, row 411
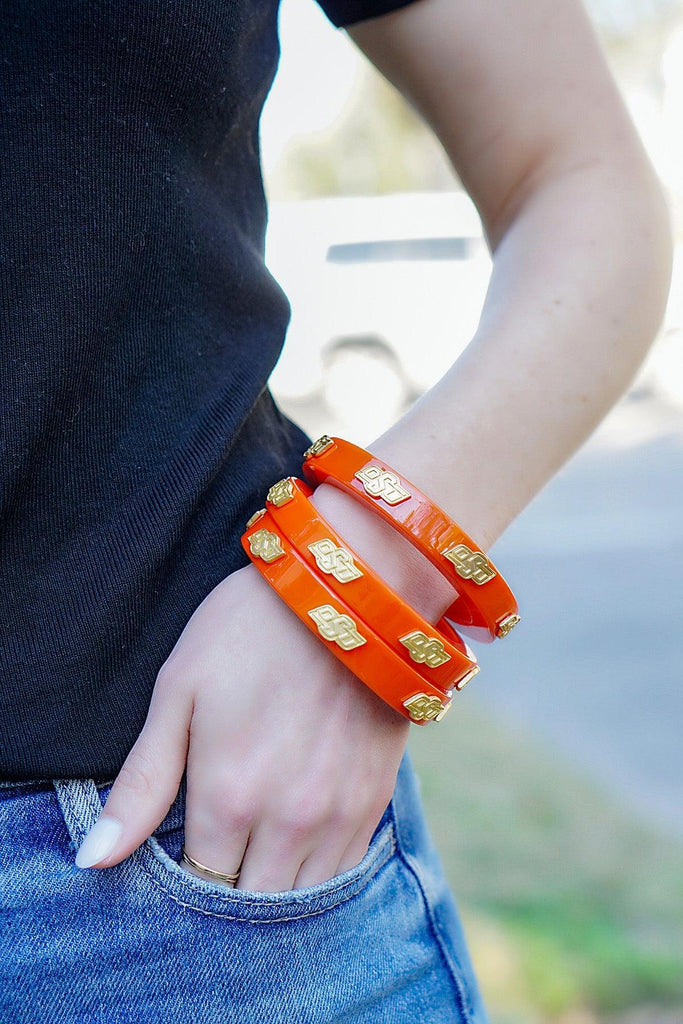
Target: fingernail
column 99, row 842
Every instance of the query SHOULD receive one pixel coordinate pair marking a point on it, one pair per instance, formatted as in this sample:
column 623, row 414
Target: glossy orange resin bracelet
column 485, row 607
column 321, row 609
column 440, row 658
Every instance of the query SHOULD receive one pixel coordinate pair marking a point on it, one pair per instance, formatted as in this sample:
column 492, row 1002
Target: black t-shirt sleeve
column 346, row 12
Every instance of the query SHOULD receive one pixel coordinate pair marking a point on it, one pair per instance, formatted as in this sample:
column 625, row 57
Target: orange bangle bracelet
column 485, row 607
column 326, row 615
column 441, row 658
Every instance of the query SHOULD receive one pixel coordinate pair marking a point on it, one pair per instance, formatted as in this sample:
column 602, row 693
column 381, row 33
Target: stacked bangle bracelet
column 320, row 608
column 441, row 658
column 485, row 607
column 411, row 664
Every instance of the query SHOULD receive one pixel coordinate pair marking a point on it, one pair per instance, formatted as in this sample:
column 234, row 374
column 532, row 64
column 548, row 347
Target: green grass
column 570, row 904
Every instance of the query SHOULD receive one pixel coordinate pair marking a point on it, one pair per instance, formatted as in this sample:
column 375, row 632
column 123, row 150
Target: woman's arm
column 524, row 104
column 289, row 757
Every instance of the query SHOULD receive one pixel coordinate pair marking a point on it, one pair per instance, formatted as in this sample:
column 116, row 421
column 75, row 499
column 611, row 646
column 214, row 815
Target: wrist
column 394, row 558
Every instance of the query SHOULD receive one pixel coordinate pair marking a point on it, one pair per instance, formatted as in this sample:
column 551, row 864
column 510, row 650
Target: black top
column 138, row 328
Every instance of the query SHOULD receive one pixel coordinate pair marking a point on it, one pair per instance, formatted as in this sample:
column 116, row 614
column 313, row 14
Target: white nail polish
column 99, row 842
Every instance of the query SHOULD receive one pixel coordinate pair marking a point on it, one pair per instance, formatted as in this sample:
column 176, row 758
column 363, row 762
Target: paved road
column 596, row 560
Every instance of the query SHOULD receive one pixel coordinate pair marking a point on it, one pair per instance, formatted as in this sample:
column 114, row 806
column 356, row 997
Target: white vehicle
column 401, row 276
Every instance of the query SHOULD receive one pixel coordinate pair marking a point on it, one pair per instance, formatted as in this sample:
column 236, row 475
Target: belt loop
column 80, row 805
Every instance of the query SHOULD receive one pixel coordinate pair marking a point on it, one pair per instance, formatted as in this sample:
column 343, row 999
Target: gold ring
column 210, row 871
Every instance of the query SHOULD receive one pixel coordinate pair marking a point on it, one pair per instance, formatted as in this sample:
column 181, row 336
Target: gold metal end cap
column 255, row 518
column 462, row 683
column 508, row 624
column 318, row 447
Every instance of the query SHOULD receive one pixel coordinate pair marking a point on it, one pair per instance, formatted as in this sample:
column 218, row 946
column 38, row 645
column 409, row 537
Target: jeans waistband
column 41, row 783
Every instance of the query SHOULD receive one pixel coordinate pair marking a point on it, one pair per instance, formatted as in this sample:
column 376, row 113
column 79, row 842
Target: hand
column 291, row 760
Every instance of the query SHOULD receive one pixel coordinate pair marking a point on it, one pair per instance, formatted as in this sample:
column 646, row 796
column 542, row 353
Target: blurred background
column 559, row 815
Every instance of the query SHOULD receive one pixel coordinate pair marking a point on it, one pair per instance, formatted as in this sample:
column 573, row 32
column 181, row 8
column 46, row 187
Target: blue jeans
column 146, row 941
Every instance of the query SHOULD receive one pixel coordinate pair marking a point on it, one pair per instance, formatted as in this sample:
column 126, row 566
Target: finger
column 147, row 784
column 220, row 806
column 218, row 822
column 271, row 863
column 357, row 848
column 322, row 864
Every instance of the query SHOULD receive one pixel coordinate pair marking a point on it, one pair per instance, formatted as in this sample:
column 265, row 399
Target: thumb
column 147, row 784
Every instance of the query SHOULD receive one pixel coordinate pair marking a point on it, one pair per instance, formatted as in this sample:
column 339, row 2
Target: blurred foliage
column 571, row 906
column 378, row 145
column 629, row 18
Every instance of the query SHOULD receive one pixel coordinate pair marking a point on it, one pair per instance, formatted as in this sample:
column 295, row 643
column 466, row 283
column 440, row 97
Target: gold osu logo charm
column 281, row 492
column 266, row 545
column 425, row 649
column 318, row 446
column 335, row 561
column 337, row 627
column 382, row 483
column 423, row 708
column 470, row 565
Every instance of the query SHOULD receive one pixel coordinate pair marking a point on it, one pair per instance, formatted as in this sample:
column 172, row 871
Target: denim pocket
column 157, row 859
column 155, row 864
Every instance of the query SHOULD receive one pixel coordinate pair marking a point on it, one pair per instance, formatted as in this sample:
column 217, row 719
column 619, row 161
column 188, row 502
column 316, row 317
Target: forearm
column 576, row 296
